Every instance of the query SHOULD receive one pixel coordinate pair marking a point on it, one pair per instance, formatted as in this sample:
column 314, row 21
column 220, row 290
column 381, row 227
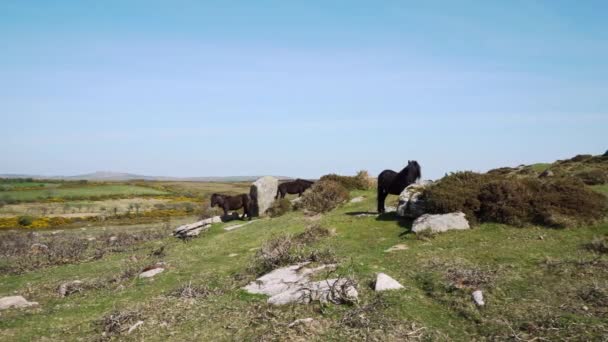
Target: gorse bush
column 362, row 181
column 26, row 220
column 556, row 202
column 323, row 196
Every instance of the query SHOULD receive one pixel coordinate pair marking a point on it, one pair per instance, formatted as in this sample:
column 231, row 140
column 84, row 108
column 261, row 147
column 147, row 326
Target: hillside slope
column 538, row 283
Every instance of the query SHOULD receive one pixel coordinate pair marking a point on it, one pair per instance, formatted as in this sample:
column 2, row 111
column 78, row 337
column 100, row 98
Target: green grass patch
column 83, row 192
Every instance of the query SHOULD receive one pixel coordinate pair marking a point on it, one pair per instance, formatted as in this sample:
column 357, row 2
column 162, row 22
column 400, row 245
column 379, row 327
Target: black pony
column 393, row 183
column 232, row 203
column 297, row 186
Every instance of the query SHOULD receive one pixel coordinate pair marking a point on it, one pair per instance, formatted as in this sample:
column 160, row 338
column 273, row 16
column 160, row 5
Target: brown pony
column 297, row 186
column 232, row 203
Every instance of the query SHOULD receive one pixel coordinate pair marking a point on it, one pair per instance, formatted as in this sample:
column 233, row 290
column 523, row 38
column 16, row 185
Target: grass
column 82, row 192
column 601, row 188
column 6, row 186
column 512, row 262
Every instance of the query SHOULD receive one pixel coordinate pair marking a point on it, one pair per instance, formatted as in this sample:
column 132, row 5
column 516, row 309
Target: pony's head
column 414, row 172
column 216, row 199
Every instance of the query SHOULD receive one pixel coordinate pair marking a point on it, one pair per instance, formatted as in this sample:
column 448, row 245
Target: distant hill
column 110, row 176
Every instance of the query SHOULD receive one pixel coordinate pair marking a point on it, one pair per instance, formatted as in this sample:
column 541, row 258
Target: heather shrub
column 361, row 181
column 279, row 207
column 559, row 202
column 593, row 177
column 324, row 196
column 456, row 192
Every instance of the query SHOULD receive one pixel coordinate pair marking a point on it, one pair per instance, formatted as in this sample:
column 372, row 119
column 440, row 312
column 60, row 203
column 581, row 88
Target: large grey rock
column 15, row 302
column 410, row 204
column 440, row 223
column 262, row 193
column 292, row 284
column 384, row 283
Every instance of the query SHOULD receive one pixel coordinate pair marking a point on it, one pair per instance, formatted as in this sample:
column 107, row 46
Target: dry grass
column 288, row 249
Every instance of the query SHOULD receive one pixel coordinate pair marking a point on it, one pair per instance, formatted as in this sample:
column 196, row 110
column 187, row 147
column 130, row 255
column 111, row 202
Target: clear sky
column 299, row 88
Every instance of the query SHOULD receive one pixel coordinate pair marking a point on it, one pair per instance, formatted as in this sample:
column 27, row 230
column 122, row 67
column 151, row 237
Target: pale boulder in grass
column 411, row 204
column 151, row 273
column 384, row 282
column 15, row 302
column 441, row 223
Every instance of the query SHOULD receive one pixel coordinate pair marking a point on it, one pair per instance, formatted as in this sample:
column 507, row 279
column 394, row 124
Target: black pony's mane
column 411, row 172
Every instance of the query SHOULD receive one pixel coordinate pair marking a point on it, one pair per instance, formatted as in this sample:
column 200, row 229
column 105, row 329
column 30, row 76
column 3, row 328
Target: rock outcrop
column 292, row 284
column 440, row 223
column 410, row 203
column 262, row 194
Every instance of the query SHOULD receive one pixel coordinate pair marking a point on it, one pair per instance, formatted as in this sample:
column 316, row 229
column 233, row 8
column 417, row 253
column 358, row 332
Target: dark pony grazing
column 297, row 186
column 393, row 183
column 232, row 203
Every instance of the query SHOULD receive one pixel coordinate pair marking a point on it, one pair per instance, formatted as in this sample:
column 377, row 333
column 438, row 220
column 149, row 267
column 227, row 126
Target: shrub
column 598, row 244
column 279, row 207
column 456, row 192
column 26, row 220
column 288, row 249
column 516, row 201
column 593, row 177
column 361, row 181
column 324, row 196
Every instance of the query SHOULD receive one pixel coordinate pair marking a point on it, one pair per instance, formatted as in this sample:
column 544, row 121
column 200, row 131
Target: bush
column 593, row 177
column 361, row 181
column 280, row 207
column 325, row 195
column 25, row 220
column 516, row 201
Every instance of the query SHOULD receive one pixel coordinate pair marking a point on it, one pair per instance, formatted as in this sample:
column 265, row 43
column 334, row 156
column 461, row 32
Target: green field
column 538, row 284
column 7, row 186
column 79, row 192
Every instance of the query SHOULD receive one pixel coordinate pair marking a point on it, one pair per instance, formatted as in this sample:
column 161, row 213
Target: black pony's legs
column 381, row 197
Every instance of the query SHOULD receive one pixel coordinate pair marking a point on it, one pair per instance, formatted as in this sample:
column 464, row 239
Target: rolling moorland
column 539, row 283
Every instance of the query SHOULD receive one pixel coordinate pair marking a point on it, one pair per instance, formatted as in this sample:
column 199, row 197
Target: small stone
column 385, row 282
column 357, row 199
column 301, row 321
column 151, row 273
column 135, row 326
column 478, row 298
column 399, row 247
column 232, row 255
column 113, row 238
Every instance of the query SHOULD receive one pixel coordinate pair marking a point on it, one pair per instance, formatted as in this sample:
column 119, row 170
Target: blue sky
column 299, row 88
